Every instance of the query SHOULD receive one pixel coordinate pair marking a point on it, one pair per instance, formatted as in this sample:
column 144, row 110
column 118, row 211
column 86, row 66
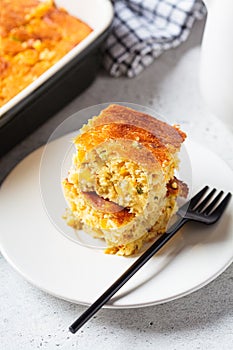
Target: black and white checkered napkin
column 143, row 29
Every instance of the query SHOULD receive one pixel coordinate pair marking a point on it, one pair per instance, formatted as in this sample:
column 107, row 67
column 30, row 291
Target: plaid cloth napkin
column 143, row 29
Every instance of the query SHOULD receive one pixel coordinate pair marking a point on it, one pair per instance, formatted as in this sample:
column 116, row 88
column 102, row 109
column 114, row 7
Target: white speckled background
column 31, row 319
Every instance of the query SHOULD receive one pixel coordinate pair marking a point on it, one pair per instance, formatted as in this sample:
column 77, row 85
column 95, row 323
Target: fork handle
column 154, row 248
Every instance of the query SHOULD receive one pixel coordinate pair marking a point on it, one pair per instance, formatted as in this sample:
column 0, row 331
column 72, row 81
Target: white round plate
column 32, row 244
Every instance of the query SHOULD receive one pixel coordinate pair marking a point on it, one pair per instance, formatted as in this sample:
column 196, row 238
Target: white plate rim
column 112, row 306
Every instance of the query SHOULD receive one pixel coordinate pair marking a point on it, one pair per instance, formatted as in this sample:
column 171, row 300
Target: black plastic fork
column 200, row 208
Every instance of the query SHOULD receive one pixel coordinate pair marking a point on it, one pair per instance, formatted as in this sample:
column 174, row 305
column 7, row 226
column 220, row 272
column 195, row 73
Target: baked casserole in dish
column 34, row 36
column 50, row 52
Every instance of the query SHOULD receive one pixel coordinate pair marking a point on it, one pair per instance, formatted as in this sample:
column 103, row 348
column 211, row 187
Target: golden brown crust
column 121, row 123
column 119, row 214
column 124, row 132
column 101, row 204
column 166, row 134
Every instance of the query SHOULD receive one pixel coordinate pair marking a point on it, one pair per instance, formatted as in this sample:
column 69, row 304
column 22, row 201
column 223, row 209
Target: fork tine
column 197, row 197
column 222, row 206
column 213, row 203
column 205, row 201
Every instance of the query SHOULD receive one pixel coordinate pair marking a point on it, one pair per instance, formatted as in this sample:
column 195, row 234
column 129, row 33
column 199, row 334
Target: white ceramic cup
column 216, row 65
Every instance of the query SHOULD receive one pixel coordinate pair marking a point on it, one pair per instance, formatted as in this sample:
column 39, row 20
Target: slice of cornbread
column 121, row 186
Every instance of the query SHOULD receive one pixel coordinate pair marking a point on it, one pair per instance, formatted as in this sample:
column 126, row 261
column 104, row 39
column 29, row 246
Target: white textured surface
column 31, row 319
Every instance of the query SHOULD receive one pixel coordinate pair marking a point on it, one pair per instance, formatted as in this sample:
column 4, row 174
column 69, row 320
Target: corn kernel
column 174, row 185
